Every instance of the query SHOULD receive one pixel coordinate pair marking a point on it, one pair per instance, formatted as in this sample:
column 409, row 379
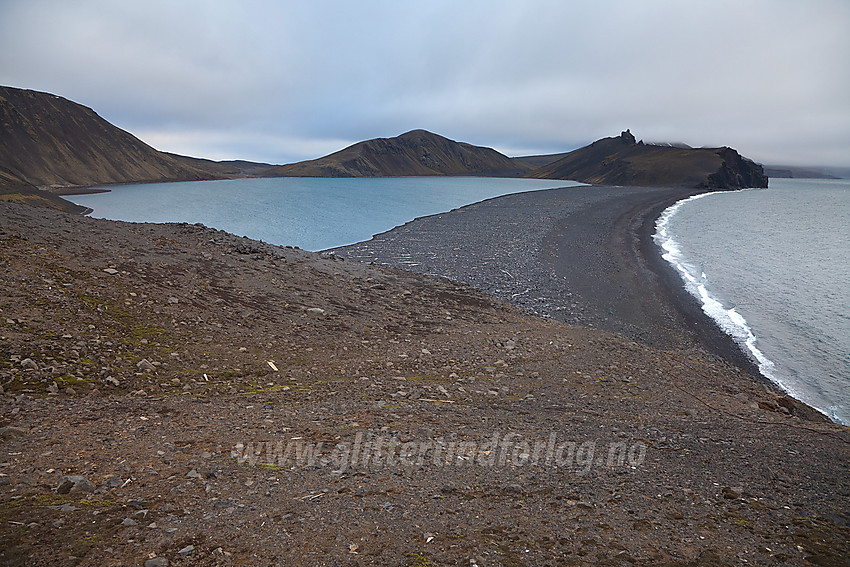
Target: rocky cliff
column 624, row 161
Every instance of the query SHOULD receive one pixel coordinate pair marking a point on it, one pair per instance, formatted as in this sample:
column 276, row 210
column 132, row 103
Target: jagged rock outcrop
column 623, row 161
column 414, row 153
column 736, row 172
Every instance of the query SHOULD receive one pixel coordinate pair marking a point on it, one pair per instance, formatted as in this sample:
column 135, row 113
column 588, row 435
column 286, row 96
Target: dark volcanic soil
column 185, row 373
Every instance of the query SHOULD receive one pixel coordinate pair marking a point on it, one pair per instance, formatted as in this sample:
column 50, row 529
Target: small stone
column 173, row 300
column 112, row 381
column 145, row 366
column 67, row 508
column 114, row 482
column 9, row 431
column 731, row 493
column 74, row 483
column 193, row 474
column 157, row 562
column 315, row 311
column 29, row 364
column 129, row 522
column 111, row 271
column 187, row 550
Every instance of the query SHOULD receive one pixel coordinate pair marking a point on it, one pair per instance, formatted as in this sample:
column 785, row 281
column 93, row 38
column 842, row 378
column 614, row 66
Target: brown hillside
column 49, row 141
column 16, row 190
column 414, row 153
column 622, row 161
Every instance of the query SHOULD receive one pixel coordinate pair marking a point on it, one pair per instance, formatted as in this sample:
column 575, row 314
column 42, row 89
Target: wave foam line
column 729, row 320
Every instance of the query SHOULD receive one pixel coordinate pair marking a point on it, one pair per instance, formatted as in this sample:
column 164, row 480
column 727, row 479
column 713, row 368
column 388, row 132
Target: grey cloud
column 768, row 77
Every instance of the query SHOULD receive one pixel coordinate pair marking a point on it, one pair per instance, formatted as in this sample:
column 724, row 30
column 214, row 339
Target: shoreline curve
column 582, row 255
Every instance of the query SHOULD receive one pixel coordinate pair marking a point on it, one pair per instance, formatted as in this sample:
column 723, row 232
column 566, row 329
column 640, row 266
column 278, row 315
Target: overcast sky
column 280, row 81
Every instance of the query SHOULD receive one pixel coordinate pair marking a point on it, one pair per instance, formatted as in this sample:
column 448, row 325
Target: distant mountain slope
column 414, row 153
column 791, row 171
column 49, row 141
column 540, row 160
column 228, row 168
column 14, row 189
column 623, row 161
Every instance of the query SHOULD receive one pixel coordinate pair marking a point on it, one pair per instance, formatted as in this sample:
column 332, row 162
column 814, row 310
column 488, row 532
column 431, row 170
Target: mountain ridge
column 414, row 153
column 50, row 141
column 622, row 160
column 54, row 144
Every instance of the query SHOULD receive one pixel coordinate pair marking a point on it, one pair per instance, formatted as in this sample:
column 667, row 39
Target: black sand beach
column 580, row 255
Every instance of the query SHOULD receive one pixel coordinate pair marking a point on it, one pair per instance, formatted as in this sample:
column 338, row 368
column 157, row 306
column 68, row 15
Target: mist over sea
column 311, row 213
column 772, row 267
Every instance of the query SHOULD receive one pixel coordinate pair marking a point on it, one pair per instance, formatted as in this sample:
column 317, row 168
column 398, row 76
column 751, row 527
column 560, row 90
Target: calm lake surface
column 311, row 213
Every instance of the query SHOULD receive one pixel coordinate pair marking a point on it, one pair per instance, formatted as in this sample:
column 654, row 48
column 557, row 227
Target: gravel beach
column 580, row 255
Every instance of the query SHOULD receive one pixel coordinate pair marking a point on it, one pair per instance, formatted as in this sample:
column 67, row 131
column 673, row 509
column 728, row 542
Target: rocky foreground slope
column 166, row 389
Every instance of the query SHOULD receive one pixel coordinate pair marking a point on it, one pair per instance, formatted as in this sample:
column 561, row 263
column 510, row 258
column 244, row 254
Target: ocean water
column 772, row 268
column 313, row 214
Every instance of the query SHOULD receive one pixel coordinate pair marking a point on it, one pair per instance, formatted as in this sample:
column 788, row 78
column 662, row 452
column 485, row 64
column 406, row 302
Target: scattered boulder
column 145, row 366
column 801, row 410
column 71, row 484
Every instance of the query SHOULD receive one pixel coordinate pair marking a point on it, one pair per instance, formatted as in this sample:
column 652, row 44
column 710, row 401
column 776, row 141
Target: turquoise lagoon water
column 311, row 213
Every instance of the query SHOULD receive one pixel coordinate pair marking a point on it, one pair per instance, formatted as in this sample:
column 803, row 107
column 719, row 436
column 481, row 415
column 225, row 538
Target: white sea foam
column 727, row 318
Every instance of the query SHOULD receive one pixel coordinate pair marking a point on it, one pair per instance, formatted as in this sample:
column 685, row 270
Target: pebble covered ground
column 175, row 395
